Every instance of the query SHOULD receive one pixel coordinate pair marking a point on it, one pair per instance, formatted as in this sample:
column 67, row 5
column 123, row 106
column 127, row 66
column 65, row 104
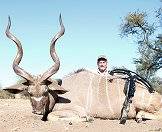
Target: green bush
column 159, row 89
column 156, row 84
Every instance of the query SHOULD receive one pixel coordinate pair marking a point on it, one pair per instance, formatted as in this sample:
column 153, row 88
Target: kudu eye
column 30, row 93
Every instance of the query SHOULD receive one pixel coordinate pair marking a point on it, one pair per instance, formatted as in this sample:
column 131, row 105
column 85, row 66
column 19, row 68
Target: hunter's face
column 102, row 65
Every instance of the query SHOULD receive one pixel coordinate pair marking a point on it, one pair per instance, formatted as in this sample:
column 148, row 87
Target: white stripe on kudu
column 108, row 99
column 89, row 94
column 119, row 91
column 98, row 87
column 142, row 97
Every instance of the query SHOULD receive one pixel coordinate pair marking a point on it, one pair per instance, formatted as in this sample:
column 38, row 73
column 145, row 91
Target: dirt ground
column 16, row 116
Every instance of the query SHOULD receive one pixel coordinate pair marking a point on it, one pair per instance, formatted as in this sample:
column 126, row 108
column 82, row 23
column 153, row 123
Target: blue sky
column 92, row 28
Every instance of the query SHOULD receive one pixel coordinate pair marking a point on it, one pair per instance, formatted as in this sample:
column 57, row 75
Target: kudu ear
column 17, row 88
column 54, row 86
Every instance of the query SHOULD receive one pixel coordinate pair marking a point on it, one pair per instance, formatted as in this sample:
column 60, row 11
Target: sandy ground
column 16, row 116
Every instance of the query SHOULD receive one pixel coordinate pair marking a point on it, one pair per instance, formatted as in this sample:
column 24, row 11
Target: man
column 102, row 65
column 102, row 70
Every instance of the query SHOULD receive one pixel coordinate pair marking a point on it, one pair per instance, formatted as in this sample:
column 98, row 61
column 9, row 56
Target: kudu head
column 37, row 86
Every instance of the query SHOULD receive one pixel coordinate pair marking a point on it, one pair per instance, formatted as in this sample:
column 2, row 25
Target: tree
column 149, row 46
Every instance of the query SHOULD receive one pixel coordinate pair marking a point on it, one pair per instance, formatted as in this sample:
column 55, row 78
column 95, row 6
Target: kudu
column 42, row 97
column 103, row 97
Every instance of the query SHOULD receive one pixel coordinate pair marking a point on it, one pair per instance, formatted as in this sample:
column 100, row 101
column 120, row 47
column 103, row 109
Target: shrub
column 6, row 95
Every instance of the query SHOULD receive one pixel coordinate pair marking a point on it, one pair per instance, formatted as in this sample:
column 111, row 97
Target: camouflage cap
column 102, row 57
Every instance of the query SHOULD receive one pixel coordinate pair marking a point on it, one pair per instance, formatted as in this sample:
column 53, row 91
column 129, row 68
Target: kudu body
column 97, row 96
column 42, row 97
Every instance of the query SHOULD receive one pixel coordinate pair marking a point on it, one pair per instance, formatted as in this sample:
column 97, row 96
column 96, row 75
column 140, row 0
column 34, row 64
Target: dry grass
column 6, row 95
